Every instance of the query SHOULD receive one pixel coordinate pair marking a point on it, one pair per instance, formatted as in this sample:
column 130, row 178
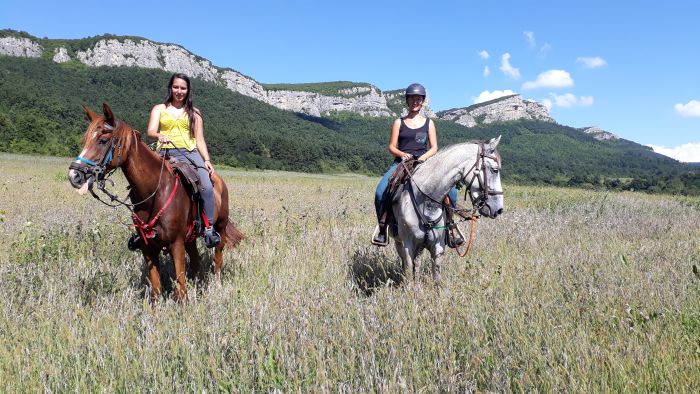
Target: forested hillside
column 40, row 113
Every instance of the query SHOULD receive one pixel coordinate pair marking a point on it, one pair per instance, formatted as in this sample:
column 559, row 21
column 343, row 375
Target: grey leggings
column 207, row 188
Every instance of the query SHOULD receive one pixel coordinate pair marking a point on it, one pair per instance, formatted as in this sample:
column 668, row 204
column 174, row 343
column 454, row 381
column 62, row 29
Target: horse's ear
column 88, row 112
column 493, row 143
column 109, row 115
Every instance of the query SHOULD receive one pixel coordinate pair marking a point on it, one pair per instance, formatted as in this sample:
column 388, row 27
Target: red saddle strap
column 146, row 229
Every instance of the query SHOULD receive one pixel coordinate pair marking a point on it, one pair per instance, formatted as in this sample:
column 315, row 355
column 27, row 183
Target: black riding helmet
column 415, row 89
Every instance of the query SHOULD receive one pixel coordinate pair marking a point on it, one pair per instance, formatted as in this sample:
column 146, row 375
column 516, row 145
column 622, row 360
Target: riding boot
column 134, row 242
column 382, row 237
column 454, row 239
column 211, row 237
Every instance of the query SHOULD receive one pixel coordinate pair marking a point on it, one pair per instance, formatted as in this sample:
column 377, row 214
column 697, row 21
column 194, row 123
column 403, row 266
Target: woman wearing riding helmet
column 412, row 136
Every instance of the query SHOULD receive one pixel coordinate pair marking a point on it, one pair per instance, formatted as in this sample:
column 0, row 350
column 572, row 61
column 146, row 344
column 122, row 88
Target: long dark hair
column 189, row 108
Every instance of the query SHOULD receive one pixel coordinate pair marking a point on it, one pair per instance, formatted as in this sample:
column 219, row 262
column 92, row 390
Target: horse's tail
column 233, row 235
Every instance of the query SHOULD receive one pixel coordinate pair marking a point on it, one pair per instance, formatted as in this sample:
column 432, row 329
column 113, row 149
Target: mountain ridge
column 316, row 99
column 40, row 113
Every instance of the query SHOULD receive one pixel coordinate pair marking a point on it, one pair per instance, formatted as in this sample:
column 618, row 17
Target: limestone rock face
column 599, row 134
column 238, row 82
column 498, row 110
column 459, row 115
column 173, row 58
column 368, row 101
column 20, row 47
column 60, row 55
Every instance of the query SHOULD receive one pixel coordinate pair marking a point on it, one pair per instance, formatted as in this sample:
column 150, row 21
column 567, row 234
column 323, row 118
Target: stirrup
column 211, row 237
column 451, row 238
column 375, row 234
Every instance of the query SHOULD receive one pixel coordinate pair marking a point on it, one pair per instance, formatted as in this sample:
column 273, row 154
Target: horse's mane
column 448, row 149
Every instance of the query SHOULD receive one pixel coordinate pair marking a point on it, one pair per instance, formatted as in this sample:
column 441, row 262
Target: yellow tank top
column 178, row 130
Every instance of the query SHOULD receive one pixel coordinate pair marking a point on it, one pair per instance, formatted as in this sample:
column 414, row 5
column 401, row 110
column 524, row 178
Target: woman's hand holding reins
column 210, row 168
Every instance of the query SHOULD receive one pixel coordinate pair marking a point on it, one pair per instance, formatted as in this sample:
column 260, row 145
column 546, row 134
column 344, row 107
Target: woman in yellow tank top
column 177, row 125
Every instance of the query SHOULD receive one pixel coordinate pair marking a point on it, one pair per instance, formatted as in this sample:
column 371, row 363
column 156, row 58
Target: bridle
column 481, row 198
column 98, row 169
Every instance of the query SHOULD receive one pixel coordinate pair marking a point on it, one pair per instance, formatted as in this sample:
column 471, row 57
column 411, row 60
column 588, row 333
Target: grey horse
column 418, row 208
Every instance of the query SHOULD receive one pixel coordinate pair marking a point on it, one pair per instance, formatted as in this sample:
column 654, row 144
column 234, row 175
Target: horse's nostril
column 76, row 178
column 500, row 211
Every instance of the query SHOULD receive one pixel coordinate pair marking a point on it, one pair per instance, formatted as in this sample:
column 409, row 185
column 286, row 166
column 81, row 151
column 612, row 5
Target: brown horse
column 163, row 213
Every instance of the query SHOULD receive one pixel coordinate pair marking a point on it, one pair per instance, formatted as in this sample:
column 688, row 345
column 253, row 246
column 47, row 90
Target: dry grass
column 569, row 290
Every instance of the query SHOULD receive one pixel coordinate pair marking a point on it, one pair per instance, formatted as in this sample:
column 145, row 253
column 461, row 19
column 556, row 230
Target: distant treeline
column 40, row 113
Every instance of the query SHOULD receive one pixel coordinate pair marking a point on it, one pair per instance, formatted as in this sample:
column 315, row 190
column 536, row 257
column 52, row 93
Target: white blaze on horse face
column 82, row 154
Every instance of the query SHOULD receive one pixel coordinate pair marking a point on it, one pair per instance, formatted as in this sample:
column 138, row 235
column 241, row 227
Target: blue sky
column 628, row 67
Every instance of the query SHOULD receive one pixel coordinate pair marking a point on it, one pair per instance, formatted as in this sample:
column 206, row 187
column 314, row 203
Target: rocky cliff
column 599, row 134
column 135, row 52
column 505, row 108
column 312, row 99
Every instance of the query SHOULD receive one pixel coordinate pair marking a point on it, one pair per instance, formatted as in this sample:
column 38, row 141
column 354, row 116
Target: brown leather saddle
column 188, row 177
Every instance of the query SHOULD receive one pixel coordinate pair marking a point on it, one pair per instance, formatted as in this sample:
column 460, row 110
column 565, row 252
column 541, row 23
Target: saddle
column 397, row 184
column 401, row 174
column 189, row 178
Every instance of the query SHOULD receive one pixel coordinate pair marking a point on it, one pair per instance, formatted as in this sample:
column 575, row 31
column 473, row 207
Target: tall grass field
column 568, row 291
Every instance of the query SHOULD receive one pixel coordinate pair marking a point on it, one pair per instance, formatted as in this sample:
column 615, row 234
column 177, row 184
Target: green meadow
column 568, row 291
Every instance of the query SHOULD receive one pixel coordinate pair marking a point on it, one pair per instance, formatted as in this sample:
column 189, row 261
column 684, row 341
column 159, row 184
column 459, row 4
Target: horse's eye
column 103, row 141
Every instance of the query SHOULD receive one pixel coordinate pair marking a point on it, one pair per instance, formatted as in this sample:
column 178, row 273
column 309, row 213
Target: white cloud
column 691, row 109
column 487, row 71
column 545, row 49
column 530, row 37
column 484, row 55
column 507, row 68
column 689, row 152
column 592, row 62
column 486, row 95
column 550, row 79
column 569, row 100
